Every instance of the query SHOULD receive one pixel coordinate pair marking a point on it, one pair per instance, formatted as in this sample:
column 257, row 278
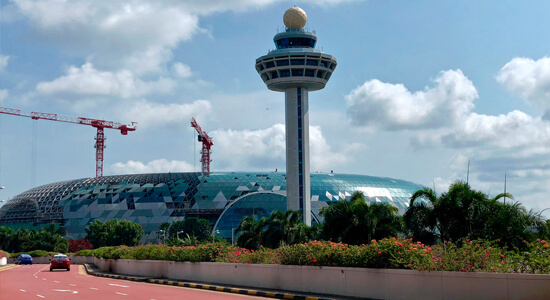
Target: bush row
column 393, row 253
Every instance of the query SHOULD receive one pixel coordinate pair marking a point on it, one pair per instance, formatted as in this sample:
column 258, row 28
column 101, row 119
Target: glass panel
column 282, row 63
column 297, row 72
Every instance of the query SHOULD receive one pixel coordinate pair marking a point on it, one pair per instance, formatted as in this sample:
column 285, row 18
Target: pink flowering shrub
column 80, row 244
column 391, row 253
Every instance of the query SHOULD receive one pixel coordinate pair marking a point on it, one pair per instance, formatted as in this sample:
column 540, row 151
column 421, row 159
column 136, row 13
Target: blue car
column 23, row 259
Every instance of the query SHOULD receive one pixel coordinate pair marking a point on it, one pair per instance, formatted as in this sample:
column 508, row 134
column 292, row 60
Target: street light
column 540, row 213
column 233, row 236
column 178, row 234
column 163, row 236
column 214, row 235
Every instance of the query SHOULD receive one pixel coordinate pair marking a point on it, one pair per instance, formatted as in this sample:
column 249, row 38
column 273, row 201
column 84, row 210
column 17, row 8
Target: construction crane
column 99, row 124
column 206, row 145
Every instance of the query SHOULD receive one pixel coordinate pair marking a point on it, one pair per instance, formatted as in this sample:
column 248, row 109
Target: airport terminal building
column 152, row 199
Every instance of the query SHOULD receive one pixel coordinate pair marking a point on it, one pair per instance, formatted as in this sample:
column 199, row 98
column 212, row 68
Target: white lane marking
column 94, row 289
column 43, row 278
column 113, row 284
column 74, row 292
column 72, row 284
column 40, row 296
column 121, row 294
column 22, row 290
column 56, row 281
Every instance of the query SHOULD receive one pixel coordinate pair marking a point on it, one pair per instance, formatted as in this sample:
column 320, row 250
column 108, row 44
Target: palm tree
column 251, row 232
column 7, row 239
column 283, row 229
column 356, row 222
column 460, row 212
column 386, row 221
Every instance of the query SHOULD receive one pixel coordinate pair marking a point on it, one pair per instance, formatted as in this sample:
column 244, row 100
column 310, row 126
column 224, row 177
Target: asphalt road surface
column 36, row 282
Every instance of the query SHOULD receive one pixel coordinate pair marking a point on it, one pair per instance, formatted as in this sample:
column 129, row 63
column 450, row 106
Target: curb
column 106, row 275
column 205, row 286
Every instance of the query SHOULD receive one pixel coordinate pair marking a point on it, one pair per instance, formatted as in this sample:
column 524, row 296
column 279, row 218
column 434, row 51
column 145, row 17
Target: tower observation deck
column 296, row 67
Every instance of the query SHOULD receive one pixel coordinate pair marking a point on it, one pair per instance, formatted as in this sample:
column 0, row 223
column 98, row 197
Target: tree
column 7, row 239
column 114, row 233
column 462, row 212
column 251, row 232
column 283, row 229
column 50, row 238
column 80, row 244
column 356, row 222
column 199, row 228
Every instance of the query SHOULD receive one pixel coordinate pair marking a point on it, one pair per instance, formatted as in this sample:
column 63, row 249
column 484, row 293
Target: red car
column 60, row 261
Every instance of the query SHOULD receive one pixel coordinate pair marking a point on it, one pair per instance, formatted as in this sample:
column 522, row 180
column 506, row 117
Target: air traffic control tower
column 296, row 68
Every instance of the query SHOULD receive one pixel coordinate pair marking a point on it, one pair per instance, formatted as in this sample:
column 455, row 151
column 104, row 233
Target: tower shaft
column 297, row 151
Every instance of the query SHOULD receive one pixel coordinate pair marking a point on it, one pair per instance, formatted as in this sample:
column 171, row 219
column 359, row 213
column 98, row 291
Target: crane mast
column 100, row 125
column 206, row 145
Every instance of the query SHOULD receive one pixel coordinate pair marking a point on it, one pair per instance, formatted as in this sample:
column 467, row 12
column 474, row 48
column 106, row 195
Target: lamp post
column 540, row 213
column 232, row 236
column 214, row 235
column 163, row 236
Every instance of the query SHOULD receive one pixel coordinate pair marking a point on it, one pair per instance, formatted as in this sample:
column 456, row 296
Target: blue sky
column 421, row 87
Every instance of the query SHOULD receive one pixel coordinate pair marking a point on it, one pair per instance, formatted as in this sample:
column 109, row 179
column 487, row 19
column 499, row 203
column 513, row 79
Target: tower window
column 282, row 63
column 274, row 74
column 297, row 72
column 285, row 73
column 297, row 62
column 270, row 64
column 309, row 73
column 312, row 62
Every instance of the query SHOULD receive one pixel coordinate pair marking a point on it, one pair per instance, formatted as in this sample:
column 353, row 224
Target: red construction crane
column 99, row 124
column 206, row 145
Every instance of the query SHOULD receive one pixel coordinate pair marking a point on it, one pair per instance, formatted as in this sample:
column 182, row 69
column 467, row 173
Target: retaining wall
column 348, row 282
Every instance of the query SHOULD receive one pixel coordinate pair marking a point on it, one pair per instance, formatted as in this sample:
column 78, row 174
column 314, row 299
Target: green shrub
column 390, row 253
column 86, row 252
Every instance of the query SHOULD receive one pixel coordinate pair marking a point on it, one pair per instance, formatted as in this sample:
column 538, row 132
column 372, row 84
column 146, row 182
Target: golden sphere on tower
column 295, row 17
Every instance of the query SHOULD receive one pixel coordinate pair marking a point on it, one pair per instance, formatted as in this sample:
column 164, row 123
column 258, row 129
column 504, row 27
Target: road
column 36, row 282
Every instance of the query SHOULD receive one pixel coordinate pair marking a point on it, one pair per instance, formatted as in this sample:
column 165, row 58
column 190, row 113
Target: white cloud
column 376, row 104
column 528, row 78
column 88, row 81
column 155, row 166
column 323, row 158
column 136, row 35
column 3, row 61
column 149, row 114
column 3, row 95
column 515, row 130
column 247, row 149
column 265, row 149
column 182, row 71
